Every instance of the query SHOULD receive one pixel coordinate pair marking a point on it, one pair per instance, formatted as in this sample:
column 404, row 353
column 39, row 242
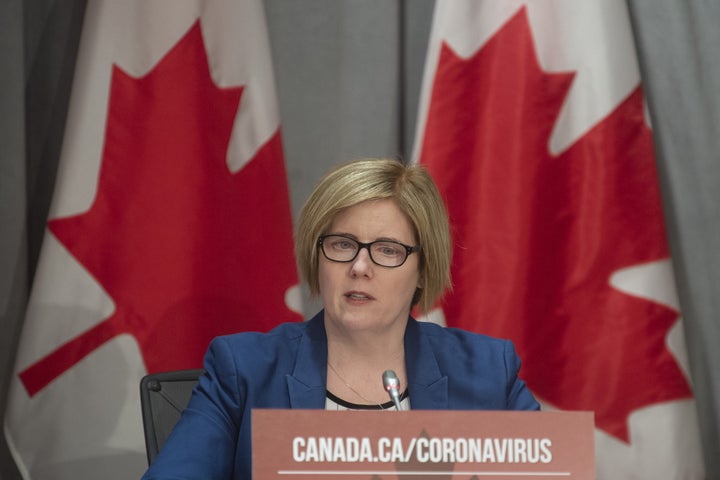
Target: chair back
column 163, row 397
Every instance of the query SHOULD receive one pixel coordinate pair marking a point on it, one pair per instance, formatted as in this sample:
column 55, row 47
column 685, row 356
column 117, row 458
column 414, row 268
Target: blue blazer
column 447, row 369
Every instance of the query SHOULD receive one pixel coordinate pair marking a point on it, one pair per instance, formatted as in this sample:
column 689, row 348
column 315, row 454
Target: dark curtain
column 38, row 45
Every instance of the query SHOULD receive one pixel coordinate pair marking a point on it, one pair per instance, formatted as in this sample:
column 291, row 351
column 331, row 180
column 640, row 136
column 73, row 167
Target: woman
column 372, row 242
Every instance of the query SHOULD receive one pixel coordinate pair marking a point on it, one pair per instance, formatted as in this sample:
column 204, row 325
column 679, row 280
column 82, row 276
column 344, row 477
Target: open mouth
column 357, row 296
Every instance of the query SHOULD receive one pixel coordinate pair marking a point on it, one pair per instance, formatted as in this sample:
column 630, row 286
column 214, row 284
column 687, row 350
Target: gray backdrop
column 348, row 74
column 677, row 44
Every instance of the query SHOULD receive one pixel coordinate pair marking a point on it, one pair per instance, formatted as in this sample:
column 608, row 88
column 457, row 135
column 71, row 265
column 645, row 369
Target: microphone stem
column 396, row 401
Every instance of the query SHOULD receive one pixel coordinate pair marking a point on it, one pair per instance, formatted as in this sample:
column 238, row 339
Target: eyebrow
column 379, row 239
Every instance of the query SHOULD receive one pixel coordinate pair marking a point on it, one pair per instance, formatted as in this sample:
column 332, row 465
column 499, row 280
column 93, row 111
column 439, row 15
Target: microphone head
column 391, row 382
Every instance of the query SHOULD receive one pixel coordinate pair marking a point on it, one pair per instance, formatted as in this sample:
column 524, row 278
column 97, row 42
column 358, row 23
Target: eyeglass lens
column 385, row 253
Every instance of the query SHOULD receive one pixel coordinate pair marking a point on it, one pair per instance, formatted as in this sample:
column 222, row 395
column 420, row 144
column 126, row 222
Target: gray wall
column 348, row 78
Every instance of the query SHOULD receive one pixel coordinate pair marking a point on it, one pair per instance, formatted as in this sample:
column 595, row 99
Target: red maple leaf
column 538, row 236
column 186, row 249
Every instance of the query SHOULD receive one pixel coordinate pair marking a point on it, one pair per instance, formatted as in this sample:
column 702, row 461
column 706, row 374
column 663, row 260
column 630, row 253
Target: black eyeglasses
column 386, row 253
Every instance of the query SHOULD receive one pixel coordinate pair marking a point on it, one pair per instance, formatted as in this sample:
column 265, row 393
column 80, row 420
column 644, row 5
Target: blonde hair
column 414, row 192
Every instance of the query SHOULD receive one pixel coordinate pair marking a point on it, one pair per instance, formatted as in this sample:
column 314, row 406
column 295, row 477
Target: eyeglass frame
column 408, row 249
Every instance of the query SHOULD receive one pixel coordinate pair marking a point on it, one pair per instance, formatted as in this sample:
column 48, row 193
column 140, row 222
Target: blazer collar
column 427, row 385
column 307, row 384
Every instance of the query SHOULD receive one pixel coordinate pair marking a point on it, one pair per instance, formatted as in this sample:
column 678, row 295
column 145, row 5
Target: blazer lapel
column 307, row 384
column 427, row 385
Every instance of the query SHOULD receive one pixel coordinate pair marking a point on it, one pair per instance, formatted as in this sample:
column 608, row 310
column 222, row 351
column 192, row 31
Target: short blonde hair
column 414, row 192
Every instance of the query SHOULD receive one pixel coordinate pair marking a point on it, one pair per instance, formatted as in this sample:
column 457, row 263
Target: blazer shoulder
column 251, row 350
column 280, row 334
column 459, row 337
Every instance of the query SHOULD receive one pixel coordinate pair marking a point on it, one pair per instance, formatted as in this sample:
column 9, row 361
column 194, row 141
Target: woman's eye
column 389, row 250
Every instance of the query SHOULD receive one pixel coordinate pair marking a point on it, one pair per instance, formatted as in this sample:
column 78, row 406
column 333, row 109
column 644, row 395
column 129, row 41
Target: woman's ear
column 416, row 296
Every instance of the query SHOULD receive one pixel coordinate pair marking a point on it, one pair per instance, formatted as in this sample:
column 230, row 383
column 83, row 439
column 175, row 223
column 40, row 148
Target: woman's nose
column 362, row 265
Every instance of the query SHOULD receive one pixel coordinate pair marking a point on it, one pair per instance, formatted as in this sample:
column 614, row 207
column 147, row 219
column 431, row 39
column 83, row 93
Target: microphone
column 391, row 382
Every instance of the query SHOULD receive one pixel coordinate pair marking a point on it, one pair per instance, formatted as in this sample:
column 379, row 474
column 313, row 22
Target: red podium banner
column 422, row 444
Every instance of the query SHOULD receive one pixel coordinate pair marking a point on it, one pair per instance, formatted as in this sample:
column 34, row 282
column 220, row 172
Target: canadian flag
column 170, row 224
column 533, row 124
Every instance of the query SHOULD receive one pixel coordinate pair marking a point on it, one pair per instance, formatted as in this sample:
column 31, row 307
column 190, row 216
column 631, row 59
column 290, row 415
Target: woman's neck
column 355, row 367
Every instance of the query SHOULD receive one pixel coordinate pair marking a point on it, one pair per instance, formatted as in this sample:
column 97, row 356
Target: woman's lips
column 358, row 296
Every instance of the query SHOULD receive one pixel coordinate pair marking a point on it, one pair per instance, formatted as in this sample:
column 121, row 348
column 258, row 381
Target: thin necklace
column 370, row 402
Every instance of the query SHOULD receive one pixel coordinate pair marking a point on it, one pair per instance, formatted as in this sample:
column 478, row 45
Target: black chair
column 163, row 397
